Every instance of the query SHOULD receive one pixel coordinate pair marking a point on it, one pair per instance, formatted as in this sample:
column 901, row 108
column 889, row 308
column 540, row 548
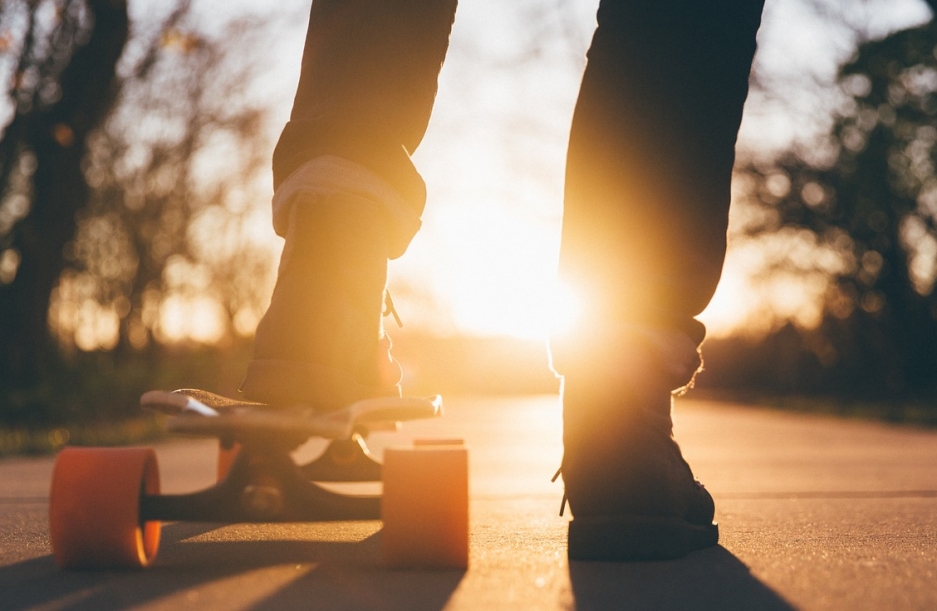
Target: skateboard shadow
column 712, row 579
column 333, row 587
column 330, row 574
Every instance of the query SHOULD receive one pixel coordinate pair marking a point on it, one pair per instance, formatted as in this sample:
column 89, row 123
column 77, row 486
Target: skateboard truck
column 261, row 486
column 344, row 460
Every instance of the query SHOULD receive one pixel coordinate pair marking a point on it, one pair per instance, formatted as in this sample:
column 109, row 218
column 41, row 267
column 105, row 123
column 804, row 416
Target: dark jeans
column 651, row 147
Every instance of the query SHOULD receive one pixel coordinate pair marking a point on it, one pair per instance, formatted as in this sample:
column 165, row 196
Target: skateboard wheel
column 425, row 506
column 94, row 508
column 226, row 458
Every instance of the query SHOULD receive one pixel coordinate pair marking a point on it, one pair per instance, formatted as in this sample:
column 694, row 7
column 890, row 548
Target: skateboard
column 105, row 506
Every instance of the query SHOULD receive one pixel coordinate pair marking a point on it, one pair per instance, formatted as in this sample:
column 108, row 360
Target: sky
column 485, row 259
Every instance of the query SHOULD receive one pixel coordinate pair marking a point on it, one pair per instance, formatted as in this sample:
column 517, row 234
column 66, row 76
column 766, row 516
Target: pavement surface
column 815, row 513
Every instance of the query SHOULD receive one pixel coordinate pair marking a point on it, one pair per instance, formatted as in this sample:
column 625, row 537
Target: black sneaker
column 632, row 495
column 321, row 342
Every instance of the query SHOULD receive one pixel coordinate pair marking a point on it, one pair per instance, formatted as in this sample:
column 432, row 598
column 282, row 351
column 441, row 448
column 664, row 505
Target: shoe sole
column 635, row 538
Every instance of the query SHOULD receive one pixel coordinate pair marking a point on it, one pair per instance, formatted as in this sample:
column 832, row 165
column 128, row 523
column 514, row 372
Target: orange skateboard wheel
column 94, row 508
column 226, row 457
column 425, row 506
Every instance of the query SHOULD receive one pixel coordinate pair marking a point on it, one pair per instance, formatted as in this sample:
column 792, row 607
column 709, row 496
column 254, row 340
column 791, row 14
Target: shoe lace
column 389, row 309
column 563, row 502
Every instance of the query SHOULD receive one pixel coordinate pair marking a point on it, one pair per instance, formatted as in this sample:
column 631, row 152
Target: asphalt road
column 815, row 513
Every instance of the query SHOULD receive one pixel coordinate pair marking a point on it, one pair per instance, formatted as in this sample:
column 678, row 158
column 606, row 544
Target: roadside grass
column 93, row 398
column 917, row 412
column 904, row 412
column 48, row 440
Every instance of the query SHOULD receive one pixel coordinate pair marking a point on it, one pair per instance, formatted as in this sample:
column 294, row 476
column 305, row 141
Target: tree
column 173, row 172
column 866, row 198
column 108, row 185
column 63, row 87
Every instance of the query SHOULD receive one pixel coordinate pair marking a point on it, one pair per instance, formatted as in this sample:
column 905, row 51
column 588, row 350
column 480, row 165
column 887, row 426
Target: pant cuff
column 330, row 175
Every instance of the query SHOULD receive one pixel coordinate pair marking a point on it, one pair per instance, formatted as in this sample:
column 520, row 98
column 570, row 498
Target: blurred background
column 136, row 247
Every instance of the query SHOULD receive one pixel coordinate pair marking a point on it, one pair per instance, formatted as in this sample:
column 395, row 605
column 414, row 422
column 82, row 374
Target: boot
column 631, row 493
column 321, row 342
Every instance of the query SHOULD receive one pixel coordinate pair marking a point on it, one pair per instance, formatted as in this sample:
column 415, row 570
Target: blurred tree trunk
column 56, row 134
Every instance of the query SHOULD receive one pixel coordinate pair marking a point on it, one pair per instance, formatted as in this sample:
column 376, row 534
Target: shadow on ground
column 711, row 579
column 339, row 575
column 196, row 571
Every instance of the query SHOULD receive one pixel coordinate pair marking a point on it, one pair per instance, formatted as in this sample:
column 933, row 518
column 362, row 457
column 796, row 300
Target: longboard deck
column 202, row 413
column 215, row 401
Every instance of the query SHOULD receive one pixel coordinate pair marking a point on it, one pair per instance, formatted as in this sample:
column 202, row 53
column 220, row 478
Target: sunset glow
column 484, row 262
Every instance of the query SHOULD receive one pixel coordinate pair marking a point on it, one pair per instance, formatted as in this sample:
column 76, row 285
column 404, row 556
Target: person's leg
column 644, row 236
column 347, row 198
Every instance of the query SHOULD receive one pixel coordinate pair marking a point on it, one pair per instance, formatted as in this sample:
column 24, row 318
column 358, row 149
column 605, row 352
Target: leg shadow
column 338, row 575
column 711, row 579
column 332, row 587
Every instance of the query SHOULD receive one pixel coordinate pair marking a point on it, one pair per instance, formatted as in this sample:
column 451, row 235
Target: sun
column 490, row 270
